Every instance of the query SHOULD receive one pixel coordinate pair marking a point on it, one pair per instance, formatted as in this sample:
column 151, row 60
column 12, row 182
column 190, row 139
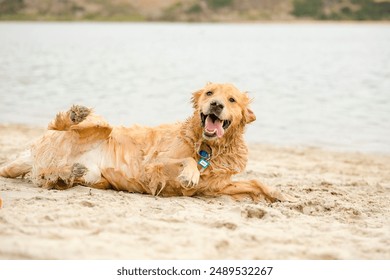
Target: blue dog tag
column 203, row 154
column 204, row 159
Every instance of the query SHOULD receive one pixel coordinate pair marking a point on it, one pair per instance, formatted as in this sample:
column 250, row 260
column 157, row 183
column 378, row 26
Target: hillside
column 194, row 10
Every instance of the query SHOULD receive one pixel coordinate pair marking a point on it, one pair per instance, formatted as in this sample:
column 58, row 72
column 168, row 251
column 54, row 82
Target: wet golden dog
column 196, row 157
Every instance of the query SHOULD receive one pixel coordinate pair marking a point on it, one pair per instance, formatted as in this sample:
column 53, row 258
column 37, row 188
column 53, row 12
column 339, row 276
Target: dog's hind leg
column 80, row 120
column 64, row 120
column 18, row 167
column 61, row 178
column 69, row 176
column 92, row 178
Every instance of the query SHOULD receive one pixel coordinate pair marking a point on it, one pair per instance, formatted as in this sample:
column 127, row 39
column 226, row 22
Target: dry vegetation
column 194, row 10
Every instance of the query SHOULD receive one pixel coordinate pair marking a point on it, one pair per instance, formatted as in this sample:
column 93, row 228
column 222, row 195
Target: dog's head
column 222, row 109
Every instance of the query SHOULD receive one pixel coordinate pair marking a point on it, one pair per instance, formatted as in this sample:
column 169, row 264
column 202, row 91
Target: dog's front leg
column 184, row 171
column 189, row 175
column 253, row 189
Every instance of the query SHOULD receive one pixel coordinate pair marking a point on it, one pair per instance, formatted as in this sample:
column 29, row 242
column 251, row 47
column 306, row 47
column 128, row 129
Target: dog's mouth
column 213, row 126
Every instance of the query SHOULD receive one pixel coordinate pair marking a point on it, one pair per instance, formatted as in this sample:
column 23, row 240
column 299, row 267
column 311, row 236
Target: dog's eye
column 231, row 99
column 209, row 93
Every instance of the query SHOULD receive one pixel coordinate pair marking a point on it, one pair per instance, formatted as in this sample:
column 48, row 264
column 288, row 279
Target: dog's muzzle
column 213, row 125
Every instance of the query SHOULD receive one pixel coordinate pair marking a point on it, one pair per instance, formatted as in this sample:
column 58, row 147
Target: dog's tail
column 18, row 167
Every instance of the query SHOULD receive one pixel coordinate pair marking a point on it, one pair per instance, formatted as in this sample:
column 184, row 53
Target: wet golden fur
column 80, row 147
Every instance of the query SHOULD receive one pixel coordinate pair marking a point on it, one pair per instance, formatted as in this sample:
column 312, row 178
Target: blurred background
column 194, row 10
column 318, row 70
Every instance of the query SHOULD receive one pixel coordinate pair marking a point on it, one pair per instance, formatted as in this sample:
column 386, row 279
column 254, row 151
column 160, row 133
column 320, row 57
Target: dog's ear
column 249, row 116
column 195, row 98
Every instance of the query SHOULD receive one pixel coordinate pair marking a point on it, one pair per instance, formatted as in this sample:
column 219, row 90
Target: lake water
column 324, row 85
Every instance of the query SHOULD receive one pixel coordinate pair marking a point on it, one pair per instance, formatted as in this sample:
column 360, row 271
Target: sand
column 341, row 212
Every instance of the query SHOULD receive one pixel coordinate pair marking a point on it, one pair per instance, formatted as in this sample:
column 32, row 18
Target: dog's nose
column 216, row 106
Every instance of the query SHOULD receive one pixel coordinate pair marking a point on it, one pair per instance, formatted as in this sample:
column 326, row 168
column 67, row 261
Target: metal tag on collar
column 204, row 160
column 204, row 163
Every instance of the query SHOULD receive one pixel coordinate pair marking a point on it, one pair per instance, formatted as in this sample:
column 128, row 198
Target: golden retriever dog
column 196, row 157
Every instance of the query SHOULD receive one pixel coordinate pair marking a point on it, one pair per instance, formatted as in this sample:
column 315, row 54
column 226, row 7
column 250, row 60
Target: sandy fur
column 80, row 147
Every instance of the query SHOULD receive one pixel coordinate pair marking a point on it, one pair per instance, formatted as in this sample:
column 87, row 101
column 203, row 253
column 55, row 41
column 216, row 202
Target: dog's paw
column 189, row 177
column 78, row 170
column 78, row 113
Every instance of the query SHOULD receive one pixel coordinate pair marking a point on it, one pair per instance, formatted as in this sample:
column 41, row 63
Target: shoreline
column 38, row 130
column 340, row 213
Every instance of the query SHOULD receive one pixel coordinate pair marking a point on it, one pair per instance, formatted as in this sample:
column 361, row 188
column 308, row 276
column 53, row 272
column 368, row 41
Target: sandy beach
column 342, row 212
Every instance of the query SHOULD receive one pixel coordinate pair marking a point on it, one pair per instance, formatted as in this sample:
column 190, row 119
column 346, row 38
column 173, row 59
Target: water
column 324, row 85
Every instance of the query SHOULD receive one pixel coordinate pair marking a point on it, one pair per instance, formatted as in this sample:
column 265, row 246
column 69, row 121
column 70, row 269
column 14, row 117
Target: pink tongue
column 213, row 127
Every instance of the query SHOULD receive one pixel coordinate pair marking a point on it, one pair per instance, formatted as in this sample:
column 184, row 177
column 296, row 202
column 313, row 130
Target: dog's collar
column 205, row 154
